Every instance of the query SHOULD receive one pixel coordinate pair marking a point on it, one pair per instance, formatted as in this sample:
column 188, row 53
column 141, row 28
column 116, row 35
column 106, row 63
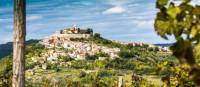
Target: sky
column 122, row 20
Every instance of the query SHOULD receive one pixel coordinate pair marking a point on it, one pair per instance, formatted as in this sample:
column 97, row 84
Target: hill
column 164, row 45
column 73, row 63
column 6, row 49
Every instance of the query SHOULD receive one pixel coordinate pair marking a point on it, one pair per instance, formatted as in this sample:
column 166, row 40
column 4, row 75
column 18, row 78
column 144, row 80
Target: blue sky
column 123, row 20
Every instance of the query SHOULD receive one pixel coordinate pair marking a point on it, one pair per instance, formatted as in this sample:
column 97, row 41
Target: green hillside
column 6, row 49
column 139, row 66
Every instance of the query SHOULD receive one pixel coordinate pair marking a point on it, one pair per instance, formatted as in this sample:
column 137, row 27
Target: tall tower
column 75, row 28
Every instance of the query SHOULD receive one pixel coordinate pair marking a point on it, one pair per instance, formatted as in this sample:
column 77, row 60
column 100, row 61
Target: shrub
column 65, row 58
column 91, row 57
column 126, row 54
column 82, row 74
column 6, row 71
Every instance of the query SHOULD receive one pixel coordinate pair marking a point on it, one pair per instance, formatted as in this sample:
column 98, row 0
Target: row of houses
column 141, row 44
column 78, row 50
column 60, row 44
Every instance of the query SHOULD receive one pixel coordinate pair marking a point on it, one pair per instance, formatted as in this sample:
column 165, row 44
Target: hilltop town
column 74, row 49
column 62, row 43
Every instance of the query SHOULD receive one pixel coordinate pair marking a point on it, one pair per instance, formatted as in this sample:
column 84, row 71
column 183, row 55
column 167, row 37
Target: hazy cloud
column 115, row 10
column 34, row 17
column 124, row 20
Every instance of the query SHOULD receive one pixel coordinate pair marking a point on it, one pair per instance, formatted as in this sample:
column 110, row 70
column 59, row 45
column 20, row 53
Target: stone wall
column 73, row 35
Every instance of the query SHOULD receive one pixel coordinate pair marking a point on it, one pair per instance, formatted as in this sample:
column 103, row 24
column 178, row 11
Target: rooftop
column 75, row 30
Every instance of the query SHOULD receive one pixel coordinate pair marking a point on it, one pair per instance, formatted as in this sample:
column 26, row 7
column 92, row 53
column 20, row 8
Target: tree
column 182, row 21
column 126, row 54
column 18, row 79
column 97, row 35
column 90, row 30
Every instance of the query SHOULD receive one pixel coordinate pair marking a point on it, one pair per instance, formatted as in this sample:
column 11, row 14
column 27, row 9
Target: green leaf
column 193, row 32
column 197, row 51
column 173, row 11
column 161, row 3
column 176, row 29
column 186, row 1
column 162, row 28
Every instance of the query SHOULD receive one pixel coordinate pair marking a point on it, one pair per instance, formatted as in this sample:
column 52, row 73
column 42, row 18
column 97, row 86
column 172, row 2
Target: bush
column 105, row 73
column 106, row 78
column 126, row 54
column 88, row 78
column 91, row 57
column 101, row 54
column 6, row 71
column 79, row 64
column 52, row 66
column 97, row 36
column 65, row 58
column 82, row 74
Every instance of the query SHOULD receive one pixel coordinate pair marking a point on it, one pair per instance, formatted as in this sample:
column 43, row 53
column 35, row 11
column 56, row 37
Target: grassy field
column 74, row 75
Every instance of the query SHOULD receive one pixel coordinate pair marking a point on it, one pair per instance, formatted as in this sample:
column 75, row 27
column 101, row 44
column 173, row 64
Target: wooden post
column 18, row 79
column 120, row 81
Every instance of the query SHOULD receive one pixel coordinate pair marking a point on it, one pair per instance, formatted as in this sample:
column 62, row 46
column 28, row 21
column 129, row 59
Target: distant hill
column 164, row 45
column 6, row 49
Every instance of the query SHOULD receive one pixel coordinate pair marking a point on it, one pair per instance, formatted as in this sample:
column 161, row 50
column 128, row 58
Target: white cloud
column 133, row 22
column 195, row 2
column 134, row 35
column 32, row 18
column 143, row 24
column 5, row 20
column 147, row 23
column 115, row 10
column 118, row 2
